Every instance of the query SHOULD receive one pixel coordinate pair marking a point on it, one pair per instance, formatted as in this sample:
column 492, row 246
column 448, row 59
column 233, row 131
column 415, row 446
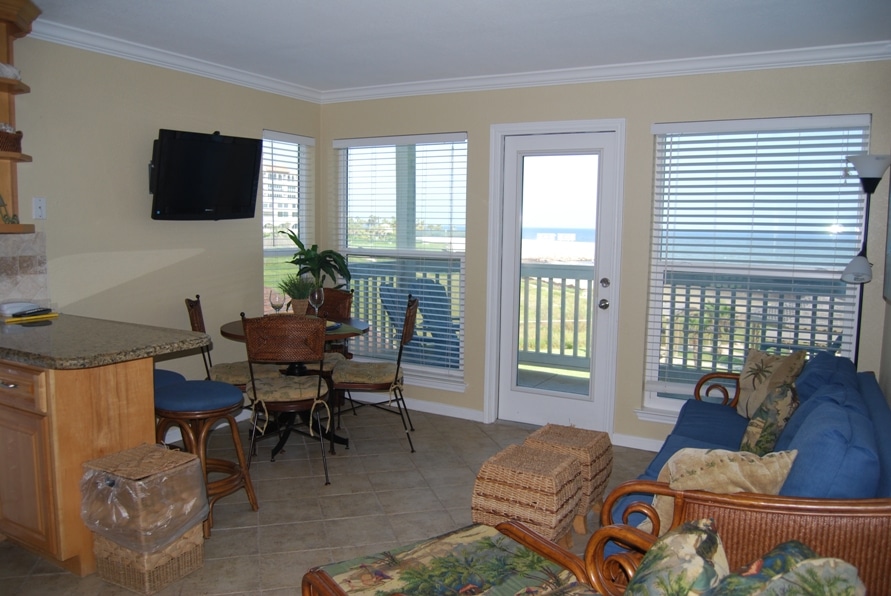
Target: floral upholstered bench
column 472, row 560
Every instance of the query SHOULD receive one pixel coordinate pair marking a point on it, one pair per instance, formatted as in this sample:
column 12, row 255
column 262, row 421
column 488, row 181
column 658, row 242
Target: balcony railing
column 555, row 315
column 707, row 321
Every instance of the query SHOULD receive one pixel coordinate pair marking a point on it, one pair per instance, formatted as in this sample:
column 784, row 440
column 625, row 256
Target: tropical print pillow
column 770, row 419
column 791, row 568
column 762, row 373
column 688, row 560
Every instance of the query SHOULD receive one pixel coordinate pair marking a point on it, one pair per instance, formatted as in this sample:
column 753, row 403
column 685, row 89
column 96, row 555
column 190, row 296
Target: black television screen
column 204, row 176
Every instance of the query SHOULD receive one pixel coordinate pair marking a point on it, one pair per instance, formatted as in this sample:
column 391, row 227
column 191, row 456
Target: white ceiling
column 332, row 50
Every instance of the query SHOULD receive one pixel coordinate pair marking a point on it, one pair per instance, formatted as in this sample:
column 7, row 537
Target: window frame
column 408, row 259
column 303, row 204
column 653, row 402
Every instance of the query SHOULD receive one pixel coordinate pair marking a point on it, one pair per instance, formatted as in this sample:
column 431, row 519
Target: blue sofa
column 836, row 497
column 841, row 430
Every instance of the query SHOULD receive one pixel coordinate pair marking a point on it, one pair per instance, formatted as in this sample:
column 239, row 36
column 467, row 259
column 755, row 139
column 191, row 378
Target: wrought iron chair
column 234, row 373
column 377, row 377
column 285, row 403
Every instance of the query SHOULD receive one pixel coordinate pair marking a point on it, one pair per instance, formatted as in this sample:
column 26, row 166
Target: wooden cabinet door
column 26, row 501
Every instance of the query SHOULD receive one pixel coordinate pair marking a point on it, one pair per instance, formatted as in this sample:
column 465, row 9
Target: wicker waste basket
column 145, row 506
column 537, row 487
column 594, row 452
column 148, row 573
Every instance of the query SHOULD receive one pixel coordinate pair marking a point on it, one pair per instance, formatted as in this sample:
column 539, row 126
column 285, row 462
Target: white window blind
column 288, row 195
column 753, row 223
column 401, row 225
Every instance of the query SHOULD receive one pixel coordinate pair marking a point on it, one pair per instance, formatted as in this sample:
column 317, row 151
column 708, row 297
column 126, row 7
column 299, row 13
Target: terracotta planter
column 299, row 306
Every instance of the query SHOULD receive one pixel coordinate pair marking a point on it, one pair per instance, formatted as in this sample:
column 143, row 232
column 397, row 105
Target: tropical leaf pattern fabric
column 791, row 569
column 770, row 419
column 687, row 560
column 473, row 560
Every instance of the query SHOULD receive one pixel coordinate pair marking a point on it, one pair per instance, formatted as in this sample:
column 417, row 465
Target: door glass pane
column 559, row 213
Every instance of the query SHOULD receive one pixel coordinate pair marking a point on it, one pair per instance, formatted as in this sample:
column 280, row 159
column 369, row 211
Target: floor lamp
column 870, row 169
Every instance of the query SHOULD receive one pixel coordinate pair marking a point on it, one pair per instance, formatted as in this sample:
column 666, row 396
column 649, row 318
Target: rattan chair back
column 408, row 326
column 196, row 316
column 196, row 321
column 338, row 304
column 284, row 338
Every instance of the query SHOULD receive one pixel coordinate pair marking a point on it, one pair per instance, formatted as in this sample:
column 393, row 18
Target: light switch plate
column 38, row 208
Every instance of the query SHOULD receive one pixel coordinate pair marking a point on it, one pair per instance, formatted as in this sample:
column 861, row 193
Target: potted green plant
column 297, row 287
column 319, row 263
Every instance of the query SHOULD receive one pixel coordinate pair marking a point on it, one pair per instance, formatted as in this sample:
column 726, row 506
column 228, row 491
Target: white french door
column 558, row 190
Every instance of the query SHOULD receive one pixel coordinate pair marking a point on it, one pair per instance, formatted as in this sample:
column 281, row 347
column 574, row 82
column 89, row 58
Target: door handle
column 603, row 304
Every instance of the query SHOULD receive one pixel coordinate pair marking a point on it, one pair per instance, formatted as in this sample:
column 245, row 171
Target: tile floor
column 380, row 496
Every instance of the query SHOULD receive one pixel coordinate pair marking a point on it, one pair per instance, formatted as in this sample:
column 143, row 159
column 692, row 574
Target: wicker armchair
column 856, row 531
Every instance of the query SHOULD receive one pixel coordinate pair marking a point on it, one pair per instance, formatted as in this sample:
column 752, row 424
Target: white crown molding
column 78, row 38
column 84, row 40
column 864, row 52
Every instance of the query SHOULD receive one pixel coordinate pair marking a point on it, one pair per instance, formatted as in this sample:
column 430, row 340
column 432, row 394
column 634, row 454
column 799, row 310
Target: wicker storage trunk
column 537, row 487
column 592, row 449
column 148, row 573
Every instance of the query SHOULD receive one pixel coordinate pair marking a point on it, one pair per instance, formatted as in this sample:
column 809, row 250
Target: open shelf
column 16, row 228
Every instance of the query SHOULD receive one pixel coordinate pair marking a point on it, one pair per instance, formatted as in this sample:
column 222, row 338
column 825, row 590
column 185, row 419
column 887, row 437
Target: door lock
column 603, row 304
column 604, row 282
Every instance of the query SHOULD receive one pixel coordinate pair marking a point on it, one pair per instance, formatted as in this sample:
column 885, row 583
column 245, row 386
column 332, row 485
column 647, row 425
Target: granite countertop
column 72, row 342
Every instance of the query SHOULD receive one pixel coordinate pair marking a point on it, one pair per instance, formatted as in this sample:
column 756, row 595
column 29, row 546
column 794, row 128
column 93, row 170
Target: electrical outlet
column 38, row 208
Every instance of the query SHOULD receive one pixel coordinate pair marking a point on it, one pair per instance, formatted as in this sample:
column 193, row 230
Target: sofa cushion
column 690, row 559
column 880, row 416
column 769, row 420
column 762, row 373
column 673, row 443
column 837, row 456
column 720, row 471
column 824, row 368
column 712, row 423
column 837, row 393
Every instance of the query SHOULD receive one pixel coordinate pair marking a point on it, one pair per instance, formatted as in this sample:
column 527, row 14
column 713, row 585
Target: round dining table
column 335, row 331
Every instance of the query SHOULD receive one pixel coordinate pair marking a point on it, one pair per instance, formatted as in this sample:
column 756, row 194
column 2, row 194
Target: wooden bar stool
column 195, row 407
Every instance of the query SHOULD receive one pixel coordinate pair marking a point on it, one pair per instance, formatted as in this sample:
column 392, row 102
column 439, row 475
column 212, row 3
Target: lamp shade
column 870, row 169
column 858, row 271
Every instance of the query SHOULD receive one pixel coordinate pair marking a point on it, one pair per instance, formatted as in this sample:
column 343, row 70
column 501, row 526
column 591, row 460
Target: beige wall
column 90, row 120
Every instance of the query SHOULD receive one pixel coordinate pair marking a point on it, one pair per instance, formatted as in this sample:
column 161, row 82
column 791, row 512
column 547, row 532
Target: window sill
column 653, row 415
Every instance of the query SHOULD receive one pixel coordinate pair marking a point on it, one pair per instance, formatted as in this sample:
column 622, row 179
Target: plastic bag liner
column 143, row 498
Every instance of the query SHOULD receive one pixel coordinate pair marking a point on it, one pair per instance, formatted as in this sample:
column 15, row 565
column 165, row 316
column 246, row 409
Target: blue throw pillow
column 823, row 368
column 837, row 456
column 837, row 393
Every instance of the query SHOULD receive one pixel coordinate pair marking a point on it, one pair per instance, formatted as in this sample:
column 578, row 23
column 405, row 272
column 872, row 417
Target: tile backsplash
column 23, row 268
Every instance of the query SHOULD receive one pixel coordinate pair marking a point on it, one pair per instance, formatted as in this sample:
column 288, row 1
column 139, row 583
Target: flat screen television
column 200, row 176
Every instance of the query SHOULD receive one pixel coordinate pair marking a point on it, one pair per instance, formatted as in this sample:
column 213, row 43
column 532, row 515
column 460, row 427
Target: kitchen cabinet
column 70, row 392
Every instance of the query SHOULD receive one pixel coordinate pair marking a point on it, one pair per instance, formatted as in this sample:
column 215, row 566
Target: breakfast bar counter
column 69, row 342
column 72, row 389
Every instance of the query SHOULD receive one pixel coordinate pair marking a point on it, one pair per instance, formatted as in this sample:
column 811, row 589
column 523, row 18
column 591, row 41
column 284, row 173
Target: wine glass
column 317, row 298
column 276, row 300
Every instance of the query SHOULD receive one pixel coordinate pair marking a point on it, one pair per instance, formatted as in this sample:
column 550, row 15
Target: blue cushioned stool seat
column 194, row 396
column 166, row 377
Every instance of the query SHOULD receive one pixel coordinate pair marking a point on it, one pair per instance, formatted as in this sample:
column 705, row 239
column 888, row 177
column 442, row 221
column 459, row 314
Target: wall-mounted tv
column 196, row 176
